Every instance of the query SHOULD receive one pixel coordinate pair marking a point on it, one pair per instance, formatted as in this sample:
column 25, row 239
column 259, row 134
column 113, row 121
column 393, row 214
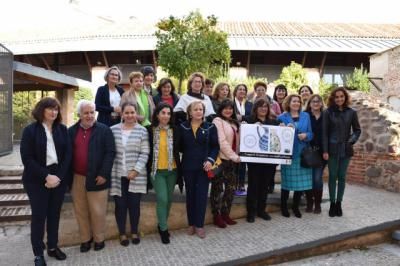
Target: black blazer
column 34, row 151
column 101, row 155
column 103, row 105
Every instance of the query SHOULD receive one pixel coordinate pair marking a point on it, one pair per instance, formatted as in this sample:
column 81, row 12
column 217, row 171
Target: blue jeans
column 318, row 183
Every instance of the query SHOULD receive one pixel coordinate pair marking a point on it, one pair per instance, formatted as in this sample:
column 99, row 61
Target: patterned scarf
column 156, row 145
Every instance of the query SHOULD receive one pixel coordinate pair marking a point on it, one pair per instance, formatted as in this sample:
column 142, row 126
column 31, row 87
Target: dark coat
column 316, row 126
column 197, row 150
column 34, row 151
column 103, row 105
column 341, row 130
column 101, row 154
column 157, row 99
column 177, row 157
column 247, row 108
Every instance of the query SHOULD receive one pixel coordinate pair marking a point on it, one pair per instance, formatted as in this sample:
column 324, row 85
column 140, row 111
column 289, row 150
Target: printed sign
column 266, row 144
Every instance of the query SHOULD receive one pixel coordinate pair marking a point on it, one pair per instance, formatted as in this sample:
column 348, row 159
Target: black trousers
column 46, row 207
column 260, row 176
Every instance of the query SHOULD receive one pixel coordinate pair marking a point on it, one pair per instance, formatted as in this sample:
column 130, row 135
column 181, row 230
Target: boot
column 218, row 221
column 164, row 237
column 228, row 219
column 318, row 200
column 310, row 201
column 339, row 211
column 332, row 210
column 296, row 203
column 284, row 198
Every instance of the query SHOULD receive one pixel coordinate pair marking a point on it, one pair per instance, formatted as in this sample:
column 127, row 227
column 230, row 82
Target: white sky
column 25, row 12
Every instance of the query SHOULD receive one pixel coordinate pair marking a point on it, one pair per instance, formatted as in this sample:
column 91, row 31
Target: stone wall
column 376, row 161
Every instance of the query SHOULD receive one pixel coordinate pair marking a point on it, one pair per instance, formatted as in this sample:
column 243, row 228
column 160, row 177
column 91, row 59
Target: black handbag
column 311, row 158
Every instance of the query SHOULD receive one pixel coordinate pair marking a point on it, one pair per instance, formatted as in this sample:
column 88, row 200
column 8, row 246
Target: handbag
column 310, row 157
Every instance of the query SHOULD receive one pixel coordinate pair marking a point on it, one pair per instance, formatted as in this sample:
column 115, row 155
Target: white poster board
column 266, row 144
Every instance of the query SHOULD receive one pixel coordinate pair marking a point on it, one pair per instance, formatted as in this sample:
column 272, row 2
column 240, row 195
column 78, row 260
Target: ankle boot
column 332, row 210
column 318, row 200
column 218, row 221
column 339, row 211
column 284, row 198
column 310, row 200
column 228, row 219
column 164, row 237
column 296, row 203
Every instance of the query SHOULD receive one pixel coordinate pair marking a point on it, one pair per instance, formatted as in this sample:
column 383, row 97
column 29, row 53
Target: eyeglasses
column 315, row 101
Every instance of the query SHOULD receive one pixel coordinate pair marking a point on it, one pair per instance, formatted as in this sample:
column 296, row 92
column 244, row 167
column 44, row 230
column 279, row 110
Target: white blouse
column 51, row 154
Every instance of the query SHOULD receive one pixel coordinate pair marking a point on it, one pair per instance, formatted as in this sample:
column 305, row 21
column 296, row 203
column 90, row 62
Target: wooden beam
column 39, row 80
column 88, row 61
column 44, row 61
column 321, row 69
column 33, row 87
column 27, row 60
column 248, row 62
column 105, row 58
column 154, row 59
column 303, row 62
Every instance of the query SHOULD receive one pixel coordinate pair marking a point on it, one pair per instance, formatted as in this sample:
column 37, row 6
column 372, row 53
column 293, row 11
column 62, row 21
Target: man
column 149, row 76
column 93, row 153
column 208, row 88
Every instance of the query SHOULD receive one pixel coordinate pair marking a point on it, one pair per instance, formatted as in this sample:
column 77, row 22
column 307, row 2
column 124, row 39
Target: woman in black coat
column 166, row 93
column 46, row 156
column 108, row 98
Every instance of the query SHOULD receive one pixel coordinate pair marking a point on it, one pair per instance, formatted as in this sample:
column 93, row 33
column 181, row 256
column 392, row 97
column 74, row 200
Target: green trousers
column 164, row 185
column 337, row 171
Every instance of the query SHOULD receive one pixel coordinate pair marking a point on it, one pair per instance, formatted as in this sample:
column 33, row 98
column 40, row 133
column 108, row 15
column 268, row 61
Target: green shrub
column 358, row 80
column 292, row 76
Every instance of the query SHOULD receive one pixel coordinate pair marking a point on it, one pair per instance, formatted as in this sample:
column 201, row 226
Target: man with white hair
column 93, row 153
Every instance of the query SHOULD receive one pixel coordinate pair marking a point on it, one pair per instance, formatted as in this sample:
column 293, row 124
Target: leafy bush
column 292, row 76
column 358, row 80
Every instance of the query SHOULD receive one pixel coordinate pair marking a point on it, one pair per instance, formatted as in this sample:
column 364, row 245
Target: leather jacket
column 341, row 130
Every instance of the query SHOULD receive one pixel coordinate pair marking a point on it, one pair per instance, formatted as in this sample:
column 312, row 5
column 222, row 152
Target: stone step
column 11, row 188
column 15, row 213
column 10, row 179
column 11, row 170
column 14, row 199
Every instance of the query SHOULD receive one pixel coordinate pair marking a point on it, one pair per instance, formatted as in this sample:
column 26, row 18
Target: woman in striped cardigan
column 129, row 172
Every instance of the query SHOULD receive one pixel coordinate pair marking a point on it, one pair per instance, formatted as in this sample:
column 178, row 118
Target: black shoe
column 85, row 247
column 123, row 240
column 99, row 246
column 135, row 239
column 164, row 237
column 264, row 215
column 159, row 231
column 39, row 261
column 56, row 253
column 339, row 211
column 296, row 212
column 332, row 210
column 250, row 219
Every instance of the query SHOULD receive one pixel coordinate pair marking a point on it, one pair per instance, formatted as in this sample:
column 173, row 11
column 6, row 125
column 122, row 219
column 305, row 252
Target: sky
column 382, row 11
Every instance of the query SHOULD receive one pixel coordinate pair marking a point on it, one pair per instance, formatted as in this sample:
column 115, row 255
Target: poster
column 266, row 144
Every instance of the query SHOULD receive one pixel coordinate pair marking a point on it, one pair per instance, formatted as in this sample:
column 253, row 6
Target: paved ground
column 363, row 208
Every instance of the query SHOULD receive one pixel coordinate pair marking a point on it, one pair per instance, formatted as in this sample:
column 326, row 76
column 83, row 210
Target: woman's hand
column 302, row 136
column 207, row 166
column 52, row 181
column 132, row 175
column 290, row 125
column 325, row 155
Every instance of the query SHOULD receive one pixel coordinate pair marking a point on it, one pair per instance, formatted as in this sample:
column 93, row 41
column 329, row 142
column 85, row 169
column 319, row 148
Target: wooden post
column 321, row 69
column 88, row 61
column 303, row 62
column 248, row 62
column 66, row 98
column 105, row 59
column 154, row 59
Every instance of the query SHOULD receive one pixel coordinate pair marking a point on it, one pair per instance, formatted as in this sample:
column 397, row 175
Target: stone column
column 66, row 98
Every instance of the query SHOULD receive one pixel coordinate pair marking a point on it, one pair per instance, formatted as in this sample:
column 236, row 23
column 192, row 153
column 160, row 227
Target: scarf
column 156, row 145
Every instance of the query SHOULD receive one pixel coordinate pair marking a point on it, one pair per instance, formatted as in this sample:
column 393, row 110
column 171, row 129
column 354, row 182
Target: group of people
column 146, row 137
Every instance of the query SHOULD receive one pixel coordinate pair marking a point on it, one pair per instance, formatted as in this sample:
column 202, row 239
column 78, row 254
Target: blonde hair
column 109, row 70
column 134, row 75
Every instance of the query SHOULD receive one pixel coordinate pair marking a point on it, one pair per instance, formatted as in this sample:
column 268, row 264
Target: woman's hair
column 226, row 104
column 154, row 120
column 46, row 102
column 259, row 103
column 163, row 82
column 308, row 106
column 260, row 83
column 125, row 104
column 237, row 87
column 191, row 105
column 109, row 70
column 347, row 98
column 218, row 87
column 134, row 75
column 305, row 86
column 279, row 87
column 192, row 77
column 288, row 99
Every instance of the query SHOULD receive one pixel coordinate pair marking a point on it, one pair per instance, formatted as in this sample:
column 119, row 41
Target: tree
column 293, row 76
column 358, row 80
column 81, row 94
column 192, row 43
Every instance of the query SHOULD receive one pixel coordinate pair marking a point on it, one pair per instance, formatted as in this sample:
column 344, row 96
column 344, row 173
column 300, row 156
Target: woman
column 242, row 108
column 280, row 93
column 166, row 93
column 341, row 131
column 295, row 177
column 46, row 156
column 129, row 172
column 164, row 164
column 138, row 96
column 228, row 138
column 199, row 145
column 314, row 108
column 260, row 89
column 221, row 92
column 108, row 98
column 260, row 174
column 305, row 92
column 194, row 93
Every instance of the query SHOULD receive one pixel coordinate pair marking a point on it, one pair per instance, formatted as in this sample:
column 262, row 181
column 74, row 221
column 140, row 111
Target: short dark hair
column 259, row 103
column 224, row 104
column 209, row 82
column 260, row 83
column 46, row 102
column 331, row 98
column 279, row 87
column 154, row 120
column 163, row 82
column 305, row 86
